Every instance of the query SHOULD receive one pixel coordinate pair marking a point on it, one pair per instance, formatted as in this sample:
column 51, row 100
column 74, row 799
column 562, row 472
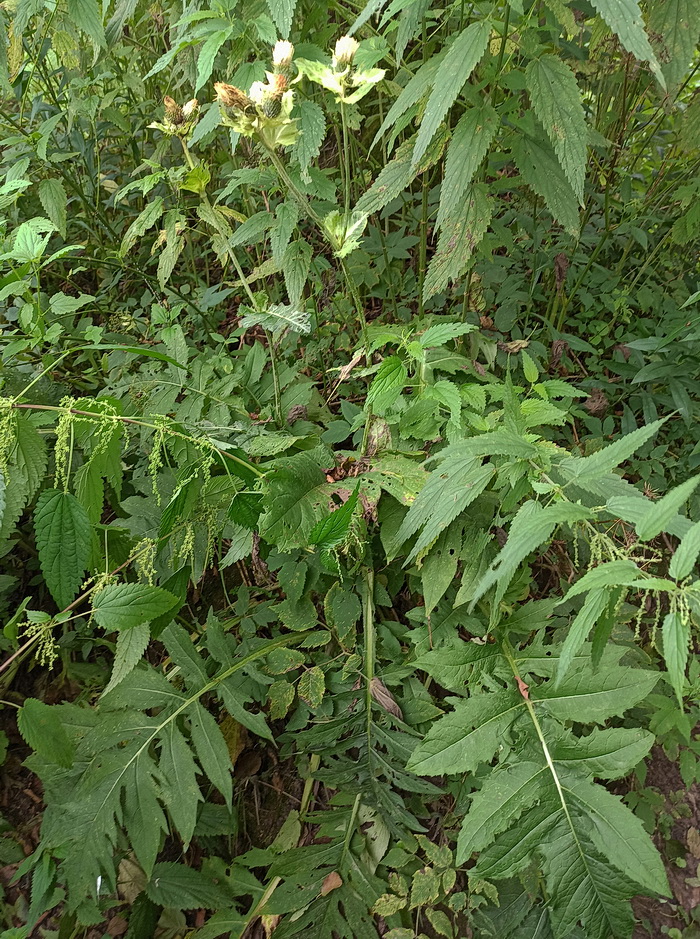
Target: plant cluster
column 348, row 443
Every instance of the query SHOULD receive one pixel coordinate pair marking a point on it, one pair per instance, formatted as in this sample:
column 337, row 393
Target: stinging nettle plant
column 298, row 500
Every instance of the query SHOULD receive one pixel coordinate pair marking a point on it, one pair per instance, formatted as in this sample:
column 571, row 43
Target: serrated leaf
column 131, row 644
column 294, row 500
column 387, row 384
column 312, row 686
column 677, row 23
column 286, row 218
column 541, row 170
column 660, row 513
column 676, row 639
column 333, row 529
column 469, row 735
column 54, row 201
column 181, row 791
column 610, row 457
column 593, row 696
column 459, row 237
column 531, row 527
column 417, row 86
column 619, row 835
column 86, row 15
column 282, row 13
column 63, row 538
column 212, row 751
column 584, row 621
column 556, row 99
column 41, row 727
column 207, row 55
column 460, row 61
column 398, row 174
column 686, row 554
column 470, row 142
column 295, row 268
column 277, row 317
column 312, row 131
column 440, row 333
column 182, row 887
column 123, row 606
column 145, row 220
column 505, row 795
column 624, row 18
column 605, row 754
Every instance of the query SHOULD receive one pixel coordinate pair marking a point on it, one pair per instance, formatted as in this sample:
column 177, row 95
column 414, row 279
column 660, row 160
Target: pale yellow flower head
column 345, row 49
column 282, row 54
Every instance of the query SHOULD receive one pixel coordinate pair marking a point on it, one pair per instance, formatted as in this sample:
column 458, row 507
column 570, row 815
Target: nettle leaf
column 460, row 61
column 86, row 15
column 531, row 527
column 541, row 170
column 312, row 131
column 460, row 236
column 212, row 750
column 686, row 554
column 123, row 606
column 556, row 99
column 470, row 142
column 63, row 538
column 295, row 498
column 677, row 23
column 282, row 13
column 676, row 639
column 54, row 201
column 131, row 644
column 40, row 725
column 312, row 686
column 181, row 887
column 399, row 173
column 387, row 384
column 145, row 220
column 416, row 88
column 660, row 513
column 624, row 18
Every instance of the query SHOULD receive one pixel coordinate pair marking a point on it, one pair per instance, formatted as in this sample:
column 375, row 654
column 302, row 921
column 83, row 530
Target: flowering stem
column 310, row 212
column 346, row 160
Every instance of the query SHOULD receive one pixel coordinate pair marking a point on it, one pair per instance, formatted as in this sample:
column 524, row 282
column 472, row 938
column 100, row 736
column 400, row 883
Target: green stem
column 306, row 207
column 346, row 161
column 275, row 378
column 370, row 647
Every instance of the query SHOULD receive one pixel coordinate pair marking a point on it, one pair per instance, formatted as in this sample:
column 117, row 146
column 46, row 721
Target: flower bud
column 173, row 111
column 282, row 56
column 232, row 97
column 345, row 49
column 190, row 109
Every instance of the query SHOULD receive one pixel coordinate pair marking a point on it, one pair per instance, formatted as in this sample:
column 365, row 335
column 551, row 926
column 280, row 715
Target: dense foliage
column 348, row 450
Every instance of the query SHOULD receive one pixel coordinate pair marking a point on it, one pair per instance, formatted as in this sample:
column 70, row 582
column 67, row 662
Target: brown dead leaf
column 331, row 882
column 693, row 841
column 385, row 698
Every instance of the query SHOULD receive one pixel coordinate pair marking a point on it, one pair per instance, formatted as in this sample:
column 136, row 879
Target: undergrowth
column 348, row 451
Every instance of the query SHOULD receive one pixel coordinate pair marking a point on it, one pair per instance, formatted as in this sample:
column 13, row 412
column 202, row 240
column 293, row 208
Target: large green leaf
column 624, row 18
column 541, row 170
column 460, row 236
column 677, row 22
column 461, row 60
column 123, row 606
column 556, row 98
column 469, row 735
column 41, row 727
column 295, row 498
column 87, row 15
column 470, row 142
column 676, row 637
column 506, row 794
column 282, row 13
column 63, row 538
column 594, row 695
